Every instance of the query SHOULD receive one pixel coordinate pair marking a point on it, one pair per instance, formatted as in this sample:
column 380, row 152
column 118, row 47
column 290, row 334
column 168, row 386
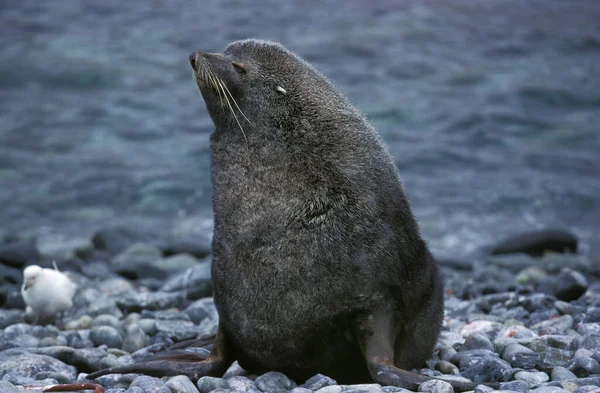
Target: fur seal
column 318, row 263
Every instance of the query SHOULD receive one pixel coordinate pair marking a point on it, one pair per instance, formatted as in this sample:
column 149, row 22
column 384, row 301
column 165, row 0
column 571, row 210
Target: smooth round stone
column 135, row 339
column 562, row 374
column 300, row 390
column 19, row 329
column 487, row 368
column 521, row 357
column 83, row 322
column 317, row 382
column 181, row 384
column 446, row 367
column 436, row 386
column 148, row 326
column 330, row 389
column 106, row 320
column 583, row 366
column 515, row 386
column 29, row 365
column 137, row 389
column 555, row 326
column 533, row 378
column 150, row 384
column 484, row 327
column 569, row 285
column 478, row 341
column 208, row 384
column 446, row 353
column 106, row 335
column 131, row 318
column 362, row 388
column 587, row 389
column 274, row 382
column 7, row 387
column 549, row 389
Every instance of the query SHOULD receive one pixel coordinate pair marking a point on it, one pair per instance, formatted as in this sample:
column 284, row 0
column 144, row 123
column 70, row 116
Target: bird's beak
column 28, row 283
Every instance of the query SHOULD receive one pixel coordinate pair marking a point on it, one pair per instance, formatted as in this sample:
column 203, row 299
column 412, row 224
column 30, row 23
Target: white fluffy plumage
column 47, row 291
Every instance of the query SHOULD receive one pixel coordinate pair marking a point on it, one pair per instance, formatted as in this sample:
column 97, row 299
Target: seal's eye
column 239, row 67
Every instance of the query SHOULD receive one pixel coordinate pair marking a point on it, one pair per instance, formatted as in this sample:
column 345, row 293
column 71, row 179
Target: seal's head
column 262, row 84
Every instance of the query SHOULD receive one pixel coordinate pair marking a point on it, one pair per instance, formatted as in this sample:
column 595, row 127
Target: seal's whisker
column 215, row 85
column 236, row 105
column 231, row 108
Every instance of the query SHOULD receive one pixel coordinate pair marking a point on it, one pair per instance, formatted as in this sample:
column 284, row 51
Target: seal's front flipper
column 172, row 363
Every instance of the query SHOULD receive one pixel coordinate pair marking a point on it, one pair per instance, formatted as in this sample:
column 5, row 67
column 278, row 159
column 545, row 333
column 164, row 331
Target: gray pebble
column 436, row 386
column 330, row 389
column 515, row 386
column 485, row 369
column 362, row 388
column 149, row 384
column 7, row 387
column 446, row 367
column 553, row 326
column 208, row 384
column 137, row 389
column 583, row 366
column 533, row 378
column 561, row 374
column 587, row 389
column 148, row 326
column 549, row 389
column 135, row 338
column 29, row 365
column 181, row 384
column 242, row 384
column 106, row 335
column 274, row 382
column 317, row 382
column 177, row 330
column 521, row 357
column 300, row 390
column 478, row 341
column 106, row 320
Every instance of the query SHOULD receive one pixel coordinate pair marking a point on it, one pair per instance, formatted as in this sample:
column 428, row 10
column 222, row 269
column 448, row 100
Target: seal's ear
column 280, row 90
column 240, row 67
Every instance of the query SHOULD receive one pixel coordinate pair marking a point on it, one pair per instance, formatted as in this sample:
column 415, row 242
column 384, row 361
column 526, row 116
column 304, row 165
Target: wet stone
column 583, row 366
column 274, row 382
column 515, row 386
column 330, row 389
column 106, row 335
column 478, row 341
column 208, row 384
column 150, row 384
column 317, row 382
column 181, row 384
column 300, row 390
column 533, row 378
column 362, row 388
column 135, row 339
column 7, row 387
column 106, row 320
column 562, row 374
column 485, row 369
column 521, row 357
column 436, row 386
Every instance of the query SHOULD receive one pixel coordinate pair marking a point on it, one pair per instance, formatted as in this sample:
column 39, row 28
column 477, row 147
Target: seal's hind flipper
column 177, row 362
column 168, row 366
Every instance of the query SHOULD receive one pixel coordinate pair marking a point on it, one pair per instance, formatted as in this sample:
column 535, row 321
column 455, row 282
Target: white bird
column 46, row 292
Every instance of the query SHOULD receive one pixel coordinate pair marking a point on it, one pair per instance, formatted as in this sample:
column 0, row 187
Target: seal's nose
column 193, row 60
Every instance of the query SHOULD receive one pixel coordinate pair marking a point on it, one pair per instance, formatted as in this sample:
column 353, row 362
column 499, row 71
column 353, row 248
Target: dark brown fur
column 318, row 264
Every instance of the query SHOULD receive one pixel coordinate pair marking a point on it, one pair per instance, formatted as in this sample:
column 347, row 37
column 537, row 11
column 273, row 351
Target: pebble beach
column 529, row 322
